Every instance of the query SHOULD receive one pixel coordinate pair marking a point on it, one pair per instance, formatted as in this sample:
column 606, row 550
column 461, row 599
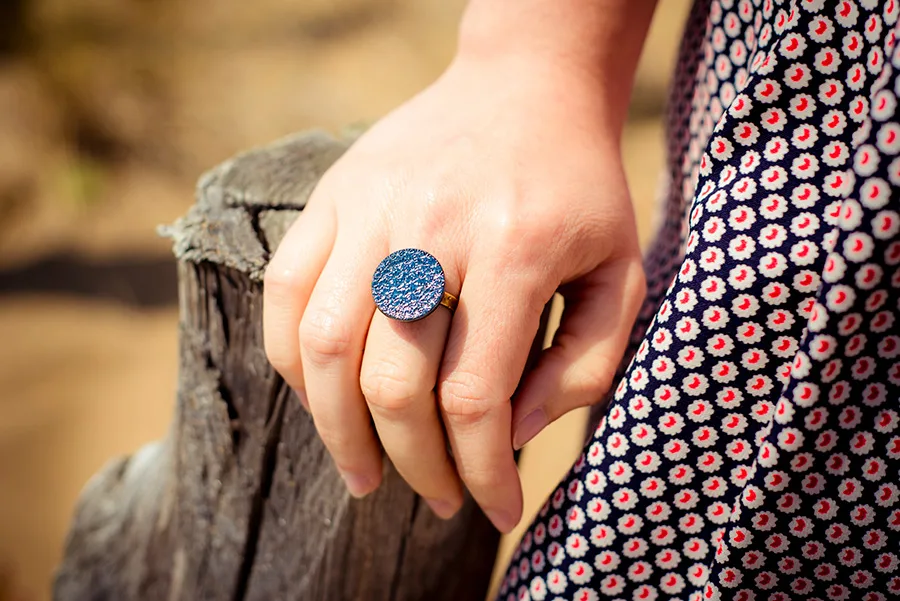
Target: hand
column 509, row 173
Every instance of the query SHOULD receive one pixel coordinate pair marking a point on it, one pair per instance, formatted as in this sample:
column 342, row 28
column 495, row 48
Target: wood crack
column 277, row 400
column 253, row 213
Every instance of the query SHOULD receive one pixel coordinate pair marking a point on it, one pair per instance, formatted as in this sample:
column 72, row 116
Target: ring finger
column 399, row 370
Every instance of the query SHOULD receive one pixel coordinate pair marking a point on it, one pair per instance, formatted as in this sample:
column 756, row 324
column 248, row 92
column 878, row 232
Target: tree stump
column 240, row 500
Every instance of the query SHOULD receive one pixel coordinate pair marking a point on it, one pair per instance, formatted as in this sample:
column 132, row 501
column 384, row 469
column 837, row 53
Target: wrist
column 593, row 43
column 543, row 79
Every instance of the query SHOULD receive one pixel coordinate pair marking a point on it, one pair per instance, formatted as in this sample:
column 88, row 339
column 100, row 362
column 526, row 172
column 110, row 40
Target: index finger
column 289, row 281
column 490, row 337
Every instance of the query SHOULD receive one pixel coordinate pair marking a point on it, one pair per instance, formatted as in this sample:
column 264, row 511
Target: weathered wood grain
column 240, row 501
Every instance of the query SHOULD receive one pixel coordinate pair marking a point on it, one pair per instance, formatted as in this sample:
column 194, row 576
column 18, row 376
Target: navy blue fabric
column 751, row 449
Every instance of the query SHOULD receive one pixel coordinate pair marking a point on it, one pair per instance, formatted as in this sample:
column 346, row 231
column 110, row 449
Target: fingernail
column 359, row 486
column 443, row 509
column 529, row 427
column 503, row 521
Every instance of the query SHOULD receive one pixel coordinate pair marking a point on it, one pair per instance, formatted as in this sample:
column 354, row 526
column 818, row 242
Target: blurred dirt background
column 109, row 111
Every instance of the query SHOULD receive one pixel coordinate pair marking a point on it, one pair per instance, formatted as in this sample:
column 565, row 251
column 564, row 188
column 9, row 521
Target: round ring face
column 408, row 284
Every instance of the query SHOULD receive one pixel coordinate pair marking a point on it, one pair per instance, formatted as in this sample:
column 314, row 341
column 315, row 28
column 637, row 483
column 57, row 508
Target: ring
column 409, row 284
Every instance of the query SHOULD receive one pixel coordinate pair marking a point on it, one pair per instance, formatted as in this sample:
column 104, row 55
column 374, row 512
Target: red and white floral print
column 751, row 447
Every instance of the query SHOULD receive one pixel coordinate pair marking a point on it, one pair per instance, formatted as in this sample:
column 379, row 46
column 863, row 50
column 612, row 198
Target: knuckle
column 526, row 237
column 514, row 228
column 280, row 283
column 596, row 380
column 387, row 387
column 324, row 337
column 589, row 380
column 466, row 397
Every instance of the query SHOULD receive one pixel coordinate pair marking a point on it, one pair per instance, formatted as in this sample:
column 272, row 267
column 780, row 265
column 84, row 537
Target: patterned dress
column 751, row 448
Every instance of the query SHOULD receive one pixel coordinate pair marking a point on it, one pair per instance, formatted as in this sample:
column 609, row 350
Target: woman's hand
column 509, row 173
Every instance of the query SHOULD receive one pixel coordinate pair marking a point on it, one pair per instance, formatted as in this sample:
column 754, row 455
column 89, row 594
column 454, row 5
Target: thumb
column 578, row 368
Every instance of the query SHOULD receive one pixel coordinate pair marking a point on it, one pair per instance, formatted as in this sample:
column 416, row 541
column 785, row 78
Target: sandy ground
column 88, row 381
column 84, row 380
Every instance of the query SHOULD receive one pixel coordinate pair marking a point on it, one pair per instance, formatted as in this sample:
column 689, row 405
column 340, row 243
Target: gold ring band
column 450, row 301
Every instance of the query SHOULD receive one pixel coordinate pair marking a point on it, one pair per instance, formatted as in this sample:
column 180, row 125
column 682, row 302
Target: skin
column 508, row 170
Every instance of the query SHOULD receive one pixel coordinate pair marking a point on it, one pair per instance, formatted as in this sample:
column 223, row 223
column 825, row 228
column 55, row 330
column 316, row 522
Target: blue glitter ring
column 409, row 284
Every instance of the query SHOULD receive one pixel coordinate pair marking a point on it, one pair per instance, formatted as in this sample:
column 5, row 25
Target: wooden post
column 240, row 500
